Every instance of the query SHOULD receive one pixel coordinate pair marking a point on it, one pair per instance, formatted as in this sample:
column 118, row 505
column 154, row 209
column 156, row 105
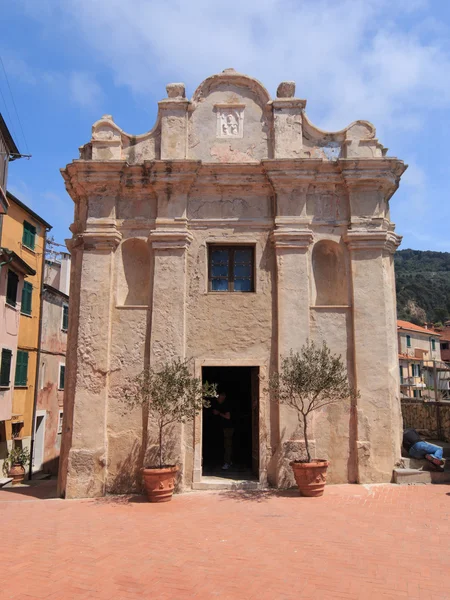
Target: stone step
column 421, row 464
column 414, row 476
column 222, row 483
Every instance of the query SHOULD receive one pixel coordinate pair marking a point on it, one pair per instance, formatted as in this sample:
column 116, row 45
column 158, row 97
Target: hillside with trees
column 423, row 286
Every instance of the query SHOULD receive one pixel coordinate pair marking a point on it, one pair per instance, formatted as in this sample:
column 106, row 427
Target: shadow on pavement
column 39, row 490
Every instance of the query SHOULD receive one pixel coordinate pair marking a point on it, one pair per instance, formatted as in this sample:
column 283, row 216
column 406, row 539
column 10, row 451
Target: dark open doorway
column 241, row 385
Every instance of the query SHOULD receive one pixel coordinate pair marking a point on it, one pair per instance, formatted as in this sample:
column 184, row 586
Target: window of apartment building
column 408, row 341
column 60, row 421
column 231, row 269
column 5, row 367
column 21, row 376
column 62, row 375
column 415, row 370
column 417, row 393
column 11, row 288
column 401, row 374
column 65, row 318
column 444, row 346
column 27, row 294
column 29, row 235
column 433, row 344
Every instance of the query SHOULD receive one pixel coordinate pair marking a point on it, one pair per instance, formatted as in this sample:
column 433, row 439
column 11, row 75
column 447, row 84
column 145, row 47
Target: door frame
column 264, row 414
column 39, row 413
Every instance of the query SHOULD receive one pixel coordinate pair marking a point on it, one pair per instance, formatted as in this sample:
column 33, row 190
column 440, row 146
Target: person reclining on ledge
column 416, row 448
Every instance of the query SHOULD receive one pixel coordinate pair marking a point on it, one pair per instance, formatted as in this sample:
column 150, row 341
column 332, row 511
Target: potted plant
column 171, row 394
column 15, row 463
column 308, row 381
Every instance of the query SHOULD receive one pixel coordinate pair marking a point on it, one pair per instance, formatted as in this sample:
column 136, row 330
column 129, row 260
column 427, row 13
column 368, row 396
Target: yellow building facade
column 24, row 232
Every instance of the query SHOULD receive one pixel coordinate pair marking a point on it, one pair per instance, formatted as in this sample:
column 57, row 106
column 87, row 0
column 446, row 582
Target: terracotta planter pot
column 159, row 483
column 17, row 472
column 311, row 477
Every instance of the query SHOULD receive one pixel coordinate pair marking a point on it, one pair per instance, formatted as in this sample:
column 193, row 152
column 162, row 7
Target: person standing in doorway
column 223, row 411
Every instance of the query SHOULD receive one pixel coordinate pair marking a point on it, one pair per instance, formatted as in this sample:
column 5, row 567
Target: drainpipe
column 38, row 360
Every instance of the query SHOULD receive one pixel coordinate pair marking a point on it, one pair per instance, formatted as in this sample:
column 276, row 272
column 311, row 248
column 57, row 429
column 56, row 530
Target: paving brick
column 355, row 543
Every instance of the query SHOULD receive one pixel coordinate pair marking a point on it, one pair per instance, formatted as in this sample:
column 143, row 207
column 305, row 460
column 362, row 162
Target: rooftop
column 417, row 328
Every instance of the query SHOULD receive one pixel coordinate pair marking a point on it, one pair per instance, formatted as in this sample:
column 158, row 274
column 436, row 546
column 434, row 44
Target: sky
column 68, row 62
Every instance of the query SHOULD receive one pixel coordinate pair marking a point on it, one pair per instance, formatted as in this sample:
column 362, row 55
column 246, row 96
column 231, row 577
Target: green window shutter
column 27, row 292
column 62, row 374
column 5, row 367
column 21, row 377
column 11, row 288
column 433, row 345
column 408, row 341
column 65, row 323
column 29, row 235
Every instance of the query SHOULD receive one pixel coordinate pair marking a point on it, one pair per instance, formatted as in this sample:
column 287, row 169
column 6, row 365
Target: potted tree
column 308, row 381
column 170, row 394
column 14, row 464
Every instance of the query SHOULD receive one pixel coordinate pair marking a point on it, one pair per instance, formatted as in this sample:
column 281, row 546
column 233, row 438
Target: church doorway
column 241, row 388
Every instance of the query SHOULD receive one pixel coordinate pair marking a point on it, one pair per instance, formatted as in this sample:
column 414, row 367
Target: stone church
column 229, row 234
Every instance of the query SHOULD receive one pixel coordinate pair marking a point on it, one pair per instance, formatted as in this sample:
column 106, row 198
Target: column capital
column 101, row 234
column 292, row 238
column 170, row 239
column 373, row 240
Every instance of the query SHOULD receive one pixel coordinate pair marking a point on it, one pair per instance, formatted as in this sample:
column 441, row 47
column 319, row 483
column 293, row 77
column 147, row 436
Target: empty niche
column 133, row 281
column 330, row 278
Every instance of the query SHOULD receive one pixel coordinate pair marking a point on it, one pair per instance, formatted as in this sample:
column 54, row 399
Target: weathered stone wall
column 230, row 166
column 431, row 419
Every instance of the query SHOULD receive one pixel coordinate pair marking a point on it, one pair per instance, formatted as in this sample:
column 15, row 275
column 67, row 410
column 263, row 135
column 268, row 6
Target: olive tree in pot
column 308, row 381
column 170, row 394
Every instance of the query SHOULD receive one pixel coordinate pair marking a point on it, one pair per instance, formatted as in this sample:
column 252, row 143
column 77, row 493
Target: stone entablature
column 230, row 166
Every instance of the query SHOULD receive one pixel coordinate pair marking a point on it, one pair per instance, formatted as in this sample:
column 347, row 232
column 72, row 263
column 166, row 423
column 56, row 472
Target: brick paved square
column 357, row 542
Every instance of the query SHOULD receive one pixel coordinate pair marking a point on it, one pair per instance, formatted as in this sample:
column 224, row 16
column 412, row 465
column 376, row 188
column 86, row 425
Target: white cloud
column 84, row 90
column 351, row 59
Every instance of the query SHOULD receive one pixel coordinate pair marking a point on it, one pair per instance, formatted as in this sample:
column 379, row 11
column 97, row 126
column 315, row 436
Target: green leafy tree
column 310, row 380
column 171, row 394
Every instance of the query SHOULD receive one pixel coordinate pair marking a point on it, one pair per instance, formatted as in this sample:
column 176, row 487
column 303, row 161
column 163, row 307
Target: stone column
column 173, row 112
column 288, row 122
column 88, row 456
column 170, row 241
column 379, row 422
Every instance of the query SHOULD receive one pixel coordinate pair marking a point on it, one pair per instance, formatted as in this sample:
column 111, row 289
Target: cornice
column 101, row 234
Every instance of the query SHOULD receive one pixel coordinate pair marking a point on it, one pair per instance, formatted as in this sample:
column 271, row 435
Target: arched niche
column 134, row 269
column 330, row 274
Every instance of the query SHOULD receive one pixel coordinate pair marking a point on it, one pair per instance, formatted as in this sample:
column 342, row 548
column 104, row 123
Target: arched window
column 330, row 276
column 133, row 281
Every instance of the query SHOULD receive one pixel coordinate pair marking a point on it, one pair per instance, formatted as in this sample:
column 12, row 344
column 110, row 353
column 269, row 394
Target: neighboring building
column 445, row 342
column 24, row 234
column 8, row 153
column 50, row 400
column 230, row 234
column 421, row 367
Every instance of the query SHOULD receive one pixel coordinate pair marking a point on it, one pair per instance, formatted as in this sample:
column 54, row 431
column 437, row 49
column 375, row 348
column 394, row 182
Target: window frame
column 433, row 345
column 8, row 298
column 231, row 249
column 29, row 230
column 408, row 341
column 21, row 363
column 63, row 320
column 27, row 286
column 62, row 369
column 60, row 421
column 3, row 383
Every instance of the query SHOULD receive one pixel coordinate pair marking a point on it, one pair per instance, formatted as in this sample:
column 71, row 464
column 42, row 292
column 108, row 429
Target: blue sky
column 70, row 61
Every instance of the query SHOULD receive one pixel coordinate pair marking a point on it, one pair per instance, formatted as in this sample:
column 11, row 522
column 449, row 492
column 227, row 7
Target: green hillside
column 423, row 285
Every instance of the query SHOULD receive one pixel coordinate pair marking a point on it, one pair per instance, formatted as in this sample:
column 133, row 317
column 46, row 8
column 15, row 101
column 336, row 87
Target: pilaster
column 173, row 113
column 88, row 456
column 375, row 351
column 288, row 122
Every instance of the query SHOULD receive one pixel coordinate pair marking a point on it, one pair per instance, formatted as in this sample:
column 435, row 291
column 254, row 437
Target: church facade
column 230, row 234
